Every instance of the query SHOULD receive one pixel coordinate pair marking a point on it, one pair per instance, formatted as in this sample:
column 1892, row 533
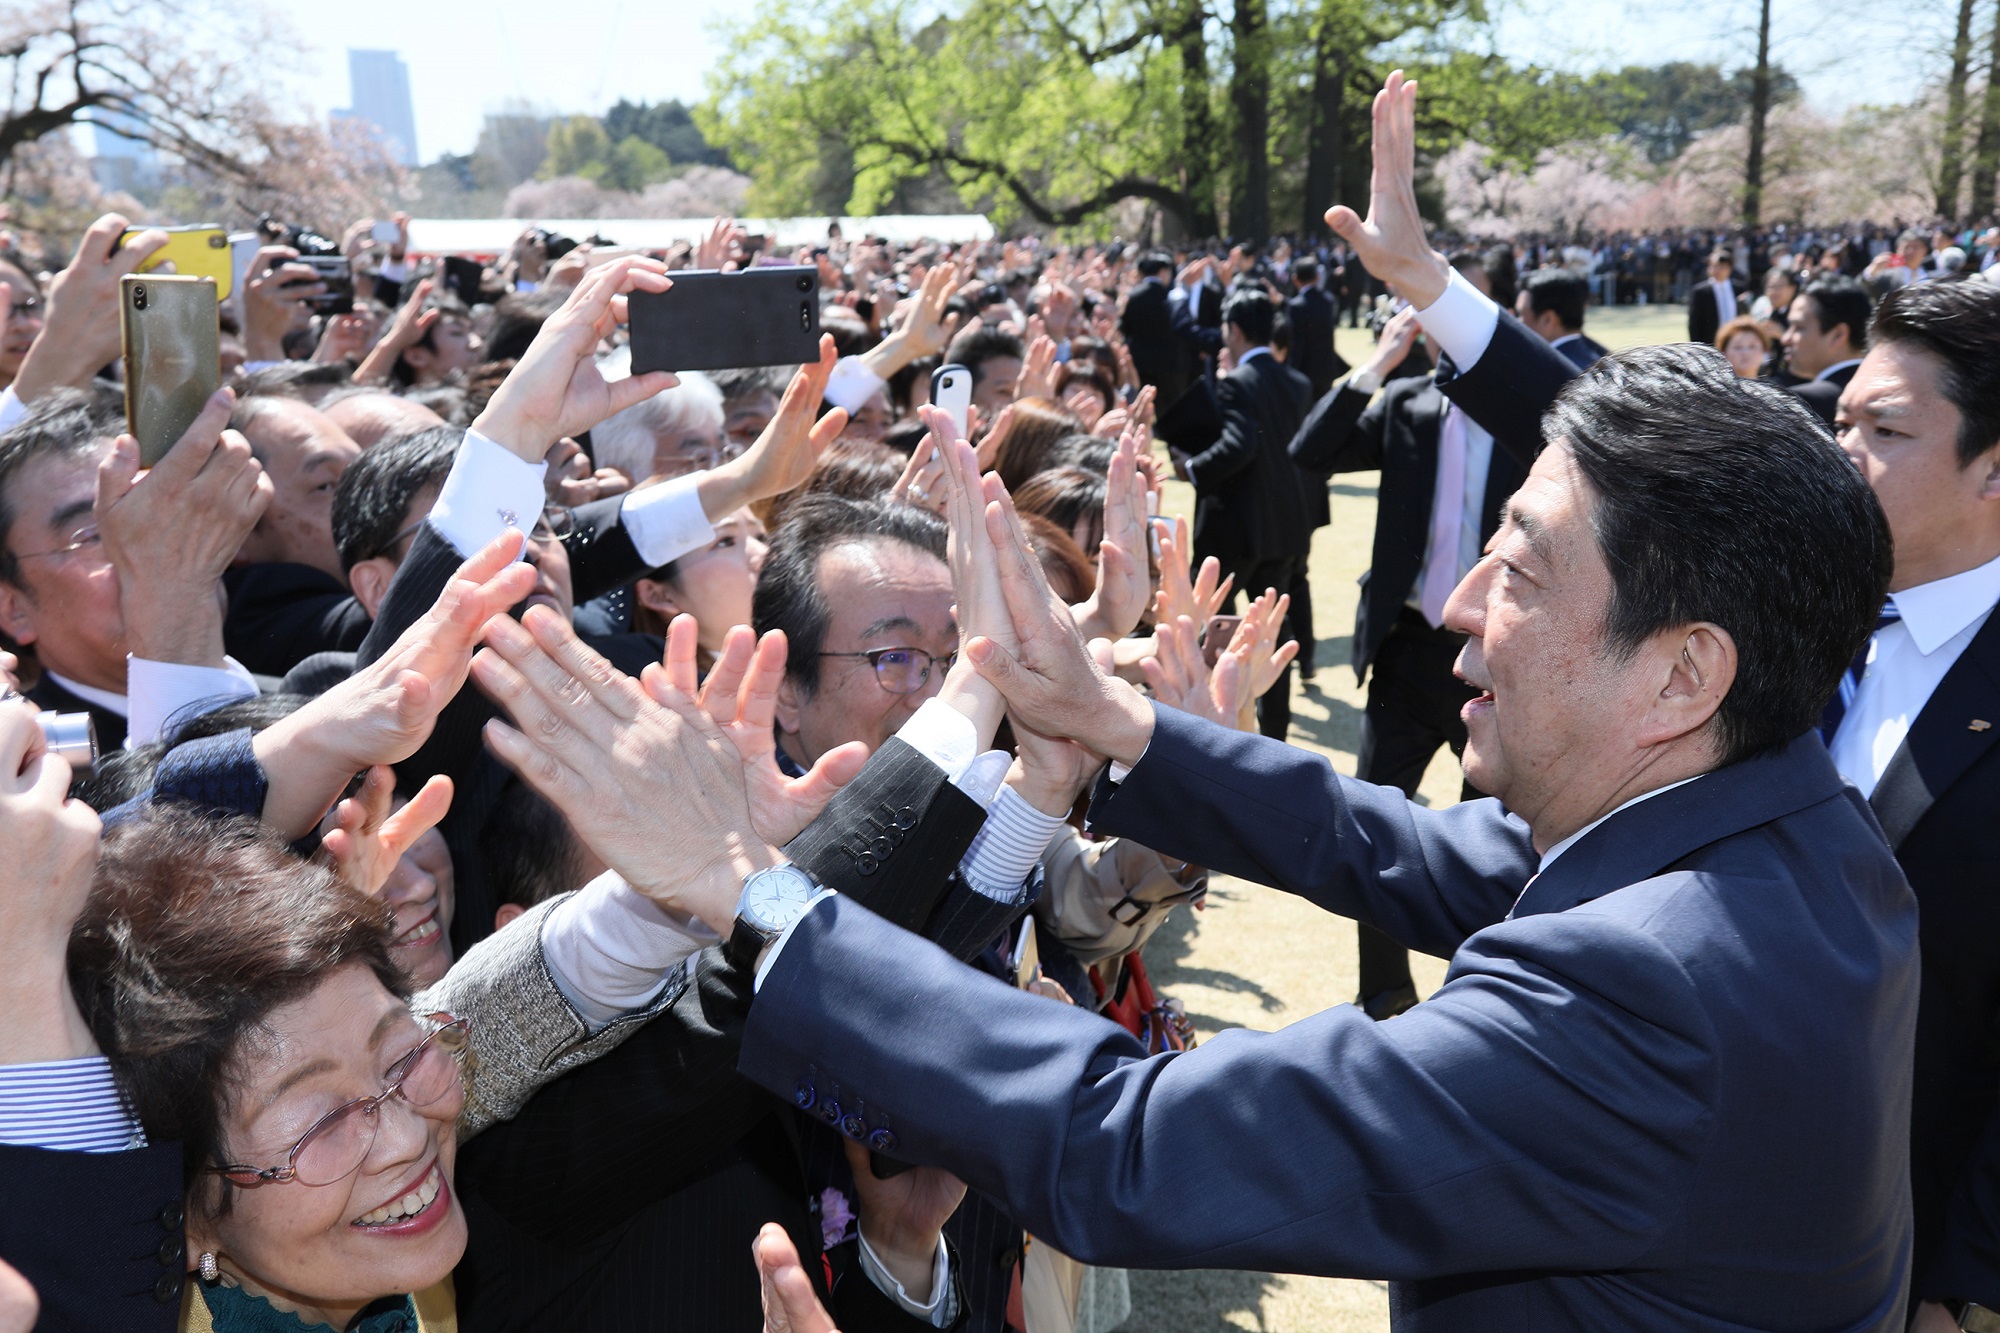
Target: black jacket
column 1704, row 321
column 1162, row 359
column 98, row 1234
column 1397, row 434
column 1311, row 314
column 1823, row 396
column 1249, row 496
column 281, row 614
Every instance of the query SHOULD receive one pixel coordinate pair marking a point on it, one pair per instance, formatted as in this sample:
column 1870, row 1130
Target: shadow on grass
column 1198, row 1301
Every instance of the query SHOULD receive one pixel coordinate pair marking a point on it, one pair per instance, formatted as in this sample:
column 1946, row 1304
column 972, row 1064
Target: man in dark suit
column 1914, row 729
column 1311, row 314
column 1826, row 333
column 1250, row 508
column 1552, row 302
column 1717, row 301
column 1431, row 523
column 1160, row 357
column 1194, row 308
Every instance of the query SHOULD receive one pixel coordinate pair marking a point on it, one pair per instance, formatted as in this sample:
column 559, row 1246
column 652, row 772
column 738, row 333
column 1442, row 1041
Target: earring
column 209, row 1271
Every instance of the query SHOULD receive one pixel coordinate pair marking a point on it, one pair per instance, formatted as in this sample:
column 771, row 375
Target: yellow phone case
column 198, row 251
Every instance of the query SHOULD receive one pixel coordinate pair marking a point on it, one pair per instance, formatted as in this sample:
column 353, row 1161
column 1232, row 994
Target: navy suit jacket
column 1667, row 1088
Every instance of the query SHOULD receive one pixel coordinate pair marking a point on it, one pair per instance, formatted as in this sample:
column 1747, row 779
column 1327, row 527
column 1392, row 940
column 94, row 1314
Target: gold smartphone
column 173, row 366
column 199, row 251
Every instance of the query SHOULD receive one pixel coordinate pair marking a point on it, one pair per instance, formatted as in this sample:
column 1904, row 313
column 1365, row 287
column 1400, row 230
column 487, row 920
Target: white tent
column 494, row 236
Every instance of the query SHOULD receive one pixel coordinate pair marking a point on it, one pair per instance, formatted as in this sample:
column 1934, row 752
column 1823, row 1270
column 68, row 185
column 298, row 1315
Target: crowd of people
column 577, row 848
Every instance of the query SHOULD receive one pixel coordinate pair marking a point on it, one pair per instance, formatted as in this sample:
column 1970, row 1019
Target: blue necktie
column 1843, row 699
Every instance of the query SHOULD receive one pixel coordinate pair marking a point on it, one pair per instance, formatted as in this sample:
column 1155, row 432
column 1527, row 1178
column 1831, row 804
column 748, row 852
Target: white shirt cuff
column 943, row 735
column 1461, row 321
column 852, row 384
column 252, row 367
column 1364, row 381
column 489, row 490
column 666, row 521
column 610, row 949
column 395, row 270
column 12, row 409
column 941, row 1312
column 1007, row 846
column 160, row 693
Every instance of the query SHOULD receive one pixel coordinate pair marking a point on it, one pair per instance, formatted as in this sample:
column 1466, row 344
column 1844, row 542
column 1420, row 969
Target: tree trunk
column 1197, row 123
column 1760, row 115
column 1951, row 166
column 1250, row 95
column 1326, row 136
column 1986, row 153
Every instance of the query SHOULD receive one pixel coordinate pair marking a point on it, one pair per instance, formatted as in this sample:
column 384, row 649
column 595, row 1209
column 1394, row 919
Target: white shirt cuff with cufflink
column 1461, row 321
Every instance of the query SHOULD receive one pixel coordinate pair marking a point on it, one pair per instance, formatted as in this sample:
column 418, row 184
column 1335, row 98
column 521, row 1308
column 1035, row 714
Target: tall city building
column 119, row 158
column 379, row 87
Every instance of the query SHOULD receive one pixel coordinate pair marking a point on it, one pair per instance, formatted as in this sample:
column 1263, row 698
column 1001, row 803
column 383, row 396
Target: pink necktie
column 1441, row 558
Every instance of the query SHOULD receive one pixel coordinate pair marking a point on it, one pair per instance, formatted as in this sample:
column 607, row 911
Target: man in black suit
column 1826, row 332
column 1552, row 302
column 1194, row 307
column 1914, row 729
column 1717, row 301
column 121, row 603
column 1431, row 522
column 1311, row 314
column 1160, row 357
column 1250, row 507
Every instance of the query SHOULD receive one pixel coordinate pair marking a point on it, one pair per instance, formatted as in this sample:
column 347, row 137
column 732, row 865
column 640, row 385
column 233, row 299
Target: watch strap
column 1977, row 1318
column 745, row 944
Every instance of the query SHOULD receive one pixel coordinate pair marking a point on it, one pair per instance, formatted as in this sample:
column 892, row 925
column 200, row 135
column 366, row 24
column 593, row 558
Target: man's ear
column 17, row 613
column 788, row 709
column 1700, row 666
column 657, row 595
column 370, row 580
column 506, row 913
column 1989, row 485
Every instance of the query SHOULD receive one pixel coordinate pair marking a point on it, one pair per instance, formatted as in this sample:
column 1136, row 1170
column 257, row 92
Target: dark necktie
column 1843, row 699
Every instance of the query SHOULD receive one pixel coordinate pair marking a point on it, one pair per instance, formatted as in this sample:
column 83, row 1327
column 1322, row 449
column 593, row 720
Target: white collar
column 1567, row 338
column 1837, row 367
column 1549, row 857
column 90, row 694
column 1935, row 612
column 1252, row 354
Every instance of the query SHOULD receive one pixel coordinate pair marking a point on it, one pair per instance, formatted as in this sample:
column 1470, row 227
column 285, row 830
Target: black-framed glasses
column 340, row 1141
column 87, row 535
column 901, row 670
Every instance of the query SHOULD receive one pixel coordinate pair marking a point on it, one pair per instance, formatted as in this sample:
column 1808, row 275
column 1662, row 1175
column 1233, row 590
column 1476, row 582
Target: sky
column 585, row 57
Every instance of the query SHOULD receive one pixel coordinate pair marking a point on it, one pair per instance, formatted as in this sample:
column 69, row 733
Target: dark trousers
column 1274, row 710
column 1413, row 703
column 1302, row 617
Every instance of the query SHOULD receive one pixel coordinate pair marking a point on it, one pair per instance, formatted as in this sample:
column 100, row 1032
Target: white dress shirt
column 1725, row 301
column 1906, row 660
column 12, row 409
column 162, row 693
column 1837, row 367
column 1465, row 551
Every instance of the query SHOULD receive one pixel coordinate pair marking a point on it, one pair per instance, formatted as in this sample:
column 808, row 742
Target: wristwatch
column 772, row 900
column 1975, row 1318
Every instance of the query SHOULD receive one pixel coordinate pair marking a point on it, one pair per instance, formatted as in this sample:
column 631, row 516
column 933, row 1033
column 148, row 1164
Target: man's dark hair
column 977, row 345
column 1155, row 264
column 750, row 381
column 1721, row 256
column 1561, row 290
column 69, row 424
column 513, row 325
column 788, row 595
column 1958, row 322
column 1502, row 273
column 374, row 494
column 1305, row 269
column 1724, row 500
column 1253, row 313
column 1917, row 234
column 195, row 931
column 1839, row 301
column 310, row 382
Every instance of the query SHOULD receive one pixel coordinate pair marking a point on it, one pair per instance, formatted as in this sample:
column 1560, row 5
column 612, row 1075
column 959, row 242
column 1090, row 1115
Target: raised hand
column 555, row 389
column 1180, row 676
column 919, row 483
column 383, row 712
column 741, row 698
column 1038, row 370
column 789, row 1303
column 1178, row 597
column 785, row 454
column 644, row 775
column 1265, row 657
column 274, row 300
column 1399, row 335
column 369, row 835
column 926, row 332
column 80, row 331
column 344, row 338
column 1124, row 584
column 172, row 533
column 1390, row 241
column 412, row 322
column 571, row 481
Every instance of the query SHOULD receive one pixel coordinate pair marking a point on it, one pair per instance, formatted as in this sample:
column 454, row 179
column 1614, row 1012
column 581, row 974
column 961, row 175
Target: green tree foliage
column 1056, row 110
column 667, row 126
column 1662, row 108
column 577, row 145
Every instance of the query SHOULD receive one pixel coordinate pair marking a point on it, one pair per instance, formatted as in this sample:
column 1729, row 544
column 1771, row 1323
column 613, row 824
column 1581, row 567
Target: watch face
column 772, row 899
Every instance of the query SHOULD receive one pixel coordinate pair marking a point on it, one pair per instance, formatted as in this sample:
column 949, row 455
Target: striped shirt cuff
column 67, row 1105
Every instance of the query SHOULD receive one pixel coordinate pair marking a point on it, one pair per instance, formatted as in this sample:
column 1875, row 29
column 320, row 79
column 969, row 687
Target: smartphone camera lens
column 805, row 282
column 139, row 298
column 806, row 315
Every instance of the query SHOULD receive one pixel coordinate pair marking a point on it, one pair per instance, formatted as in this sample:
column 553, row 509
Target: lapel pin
column 1980, row 724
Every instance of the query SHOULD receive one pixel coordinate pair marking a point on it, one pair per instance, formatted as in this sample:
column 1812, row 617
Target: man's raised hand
column 1117, row 604
column 1391, row 241
column 789, row 448
column 555, row 389
column 80, row 330
column 645, row 777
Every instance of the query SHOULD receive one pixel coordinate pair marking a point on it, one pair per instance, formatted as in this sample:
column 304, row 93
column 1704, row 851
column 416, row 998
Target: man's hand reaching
column 80, row 334
column 784, row 455
column 1390, row 241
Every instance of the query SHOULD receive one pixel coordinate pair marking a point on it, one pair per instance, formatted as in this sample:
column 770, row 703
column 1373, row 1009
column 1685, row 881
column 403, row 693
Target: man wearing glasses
column 23, row 319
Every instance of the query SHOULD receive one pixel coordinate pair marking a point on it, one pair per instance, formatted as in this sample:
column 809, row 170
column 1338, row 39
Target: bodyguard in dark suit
column 1684, row 964
column 1250, row 509
column 1552, row 302
column 1826, row 333
column 1311, row 314
column 1162, row 359
column 1718, row 300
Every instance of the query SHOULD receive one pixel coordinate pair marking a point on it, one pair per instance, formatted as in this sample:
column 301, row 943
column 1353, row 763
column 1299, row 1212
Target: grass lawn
column 1257, row 958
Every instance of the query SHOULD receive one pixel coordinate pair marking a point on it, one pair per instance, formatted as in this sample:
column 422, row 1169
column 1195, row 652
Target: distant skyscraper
column 118, row 158
column 379, row 86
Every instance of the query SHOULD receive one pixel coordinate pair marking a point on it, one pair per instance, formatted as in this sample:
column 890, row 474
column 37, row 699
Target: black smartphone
column 718, row 321
column 462, row 277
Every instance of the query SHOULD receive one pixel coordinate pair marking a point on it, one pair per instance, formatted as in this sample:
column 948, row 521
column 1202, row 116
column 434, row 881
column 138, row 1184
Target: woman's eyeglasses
column 901, row 670
column 339, row 1142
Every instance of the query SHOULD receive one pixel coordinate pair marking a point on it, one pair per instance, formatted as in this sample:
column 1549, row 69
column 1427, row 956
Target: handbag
column 1159, row 1024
